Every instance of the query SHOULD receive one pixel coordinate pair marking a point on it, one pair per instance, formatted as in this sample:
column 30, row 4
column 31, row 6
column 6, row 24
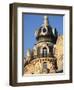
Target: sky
column 31, row 22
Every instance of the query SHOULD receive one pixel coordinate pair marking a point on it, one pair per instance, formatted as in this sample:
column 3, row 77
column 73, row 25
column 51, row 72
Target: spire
column 46, row 22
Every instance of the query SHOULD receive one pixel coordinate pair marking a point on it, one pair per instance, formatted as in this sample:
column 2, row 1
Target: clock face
column 44, row 31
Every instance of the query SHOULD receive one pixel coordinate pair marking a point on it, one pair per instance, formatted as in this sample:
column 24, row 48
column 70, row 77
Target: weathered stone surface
column 35, row 66
column 47, row 54
column 59, row 52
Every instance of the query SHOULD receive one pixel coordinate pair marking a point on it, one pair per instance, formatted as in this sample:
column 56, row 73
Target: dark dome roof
column 43, row 31
column 46, row 31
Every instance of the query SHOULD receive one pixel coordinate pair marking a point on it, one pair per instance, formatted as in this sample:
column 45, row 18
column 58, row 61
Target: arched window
column 44, row 65
column 45, row 68
column 44, row 52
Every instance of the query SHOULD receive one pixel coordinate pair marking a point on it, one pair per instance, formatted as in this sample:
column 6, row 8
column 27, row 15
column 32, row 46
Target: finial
column 28, row 52
column 46, row 22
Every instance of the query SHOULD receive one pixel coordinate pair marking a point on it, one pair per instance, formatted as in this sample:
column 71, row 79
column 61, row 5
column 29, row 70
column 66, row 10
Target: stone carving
column 47, row 54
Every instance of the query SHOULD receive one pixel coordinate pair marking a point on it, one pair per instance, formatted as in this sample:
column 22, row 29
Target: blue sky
column 33, row 21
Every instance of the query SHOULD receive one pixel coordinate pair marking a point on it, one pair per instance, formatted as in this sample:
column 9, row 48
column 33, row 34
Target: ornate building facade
column 41, row 59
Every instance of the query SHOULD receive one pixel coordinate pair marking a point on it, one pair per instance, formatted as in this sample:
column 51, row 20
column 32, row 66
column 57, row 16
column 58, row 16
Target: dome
column 46, row 32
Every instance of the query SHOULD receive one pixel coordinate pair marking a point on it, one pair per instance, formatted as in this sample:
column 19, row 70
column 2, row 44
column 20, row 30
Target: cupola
column 46, row 32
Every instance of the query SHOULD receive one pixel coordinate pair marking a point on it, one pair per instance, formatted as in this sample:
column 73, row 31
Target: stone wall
column 59, row 53
column 36, row 66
